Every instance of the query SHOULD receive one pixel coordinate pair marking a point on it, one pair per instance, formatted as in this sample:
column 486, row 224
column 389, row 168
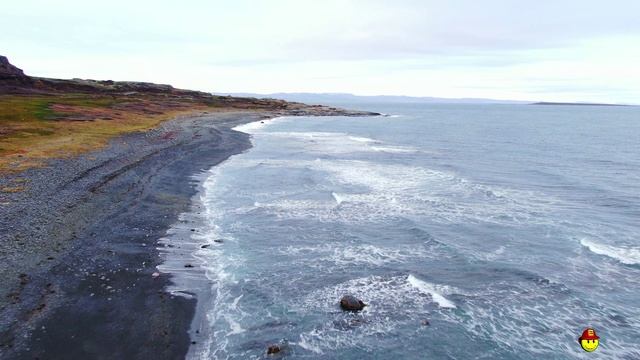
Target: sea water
column 471, row 232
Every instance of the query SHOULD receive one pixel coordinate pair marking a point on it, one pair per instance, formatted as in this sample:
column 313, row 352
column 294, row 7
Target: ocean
column 470, row 231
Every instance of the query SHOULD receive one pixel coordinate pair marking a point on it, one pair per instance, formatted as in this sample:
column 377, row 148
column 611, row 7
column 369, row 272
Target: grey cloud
column 429, row 27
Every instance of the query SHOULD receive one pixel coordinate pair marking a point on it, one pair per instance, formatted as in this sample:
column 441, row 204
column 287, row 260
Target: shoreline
column 180, row 246
column 80, row 243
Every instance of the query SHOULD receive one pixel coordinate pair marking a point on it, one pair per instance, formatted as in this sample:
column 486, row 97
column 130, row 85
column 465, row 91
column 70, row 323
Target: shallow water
column 510, row 228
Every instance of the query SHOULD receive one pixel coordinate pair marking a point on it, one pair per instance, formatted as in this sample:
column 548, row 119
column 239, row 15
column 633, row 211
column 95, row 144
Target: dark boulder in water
column 273, row 349
column 351, row 303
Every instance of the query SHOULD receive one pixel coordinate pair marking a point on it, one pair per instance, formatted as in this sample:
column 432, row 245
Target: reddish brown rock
column 273, row 349
column 351, row 303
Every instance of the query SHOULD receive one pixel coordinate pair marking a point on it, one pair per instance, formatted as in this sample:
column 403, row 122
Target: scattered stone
column 188, row 266
column 24, row 279
column 193, row 229
column 425, row 323
column 193, row 343
column 273, row 349
column 219, row 241
column 351, row 303
column 206, row 246
column 155, row 274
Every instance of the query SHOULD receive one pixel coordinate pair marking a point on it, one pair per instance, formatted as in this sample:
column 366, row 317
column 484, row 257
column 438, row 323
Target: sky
column 543, row 50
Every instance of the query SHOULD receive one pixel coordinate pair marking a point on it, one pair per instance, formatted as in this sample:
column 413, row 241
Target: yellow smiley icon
column 589, row 340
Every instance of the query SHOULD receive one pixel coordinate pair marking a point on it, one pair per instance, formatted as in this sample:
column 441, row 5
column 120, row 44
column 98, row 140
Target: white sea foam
column 257, row 126
column 338, row 143
column 379, row 190
column 339, row 199
column 306, row 342
column 625, row 255
column 362, row 139
column 430, row 289
column 394, row 149
column 391, row 303
column 331, row 256
column 515, row 315
column 223, row 312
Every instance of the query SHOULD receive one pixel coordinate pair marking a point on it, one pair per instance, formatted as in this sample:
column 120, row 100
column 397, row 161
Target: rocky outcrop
column 273, row 349
column 12, row 79
column 9, row 71
column 351, row 303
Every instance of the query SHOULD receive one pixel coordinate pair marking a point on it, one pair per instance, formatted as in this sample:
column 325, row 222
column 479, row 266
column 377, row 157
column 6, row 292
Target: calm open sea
column 509, row 228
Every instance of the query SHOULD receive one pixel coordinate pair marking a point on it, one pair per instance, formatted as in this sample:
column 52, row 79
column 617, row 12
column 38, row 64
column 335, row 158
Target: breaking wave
column 626, row 255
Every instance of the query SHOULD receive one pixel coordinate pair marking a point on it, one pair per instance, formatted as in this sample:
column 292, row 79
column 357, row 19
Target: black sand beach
column 79, row 245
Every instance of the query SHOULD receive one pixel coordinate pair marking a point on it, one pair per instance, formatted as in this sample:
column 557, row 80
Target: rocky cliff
column 9, row 71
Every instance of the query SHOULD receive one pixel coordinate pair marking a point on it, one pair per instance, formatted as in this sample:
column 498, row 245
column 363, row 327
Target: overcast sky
column 555, row 50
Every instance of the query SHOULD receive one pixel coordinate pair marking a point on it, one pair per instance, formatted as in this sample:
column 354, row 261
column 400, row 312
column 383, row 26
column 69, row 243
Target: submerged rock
column 273, row 349
column 351, row 303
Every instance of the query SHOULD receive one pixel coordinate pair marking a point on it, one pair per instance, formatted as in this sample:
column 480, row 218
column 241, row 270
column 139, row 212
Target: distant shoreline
column 575, row 104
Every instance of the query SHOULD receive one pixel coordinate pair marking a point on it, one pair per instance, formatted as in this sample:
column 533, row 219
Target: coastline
column 179, row 248
column 80, row 243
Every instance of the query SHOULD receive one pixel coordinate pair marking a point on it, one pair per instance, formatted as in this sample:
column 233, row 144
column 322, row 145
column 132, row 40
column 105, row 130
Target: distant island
column 576, row 104
column 345, row 98
column 337, row 99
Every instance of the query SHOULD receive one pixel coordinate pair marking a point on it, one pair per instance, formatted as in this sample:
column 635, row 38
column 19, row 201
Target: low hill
column 42, row 118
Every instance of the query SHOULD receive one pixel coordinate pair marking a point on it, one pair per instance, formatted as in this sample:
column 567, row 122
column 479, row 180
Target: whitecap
column 362, row 139
column 394, row 149
column 431, row 289
column 256, row 126
column 392, row 303
column 625, row 255
column 372, row 191
column 338, row 142
column 343, row 255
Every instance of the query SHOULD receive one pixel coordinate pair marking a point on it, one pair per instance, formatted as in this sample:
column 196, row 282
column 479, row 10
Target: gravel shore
column 79, row 244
